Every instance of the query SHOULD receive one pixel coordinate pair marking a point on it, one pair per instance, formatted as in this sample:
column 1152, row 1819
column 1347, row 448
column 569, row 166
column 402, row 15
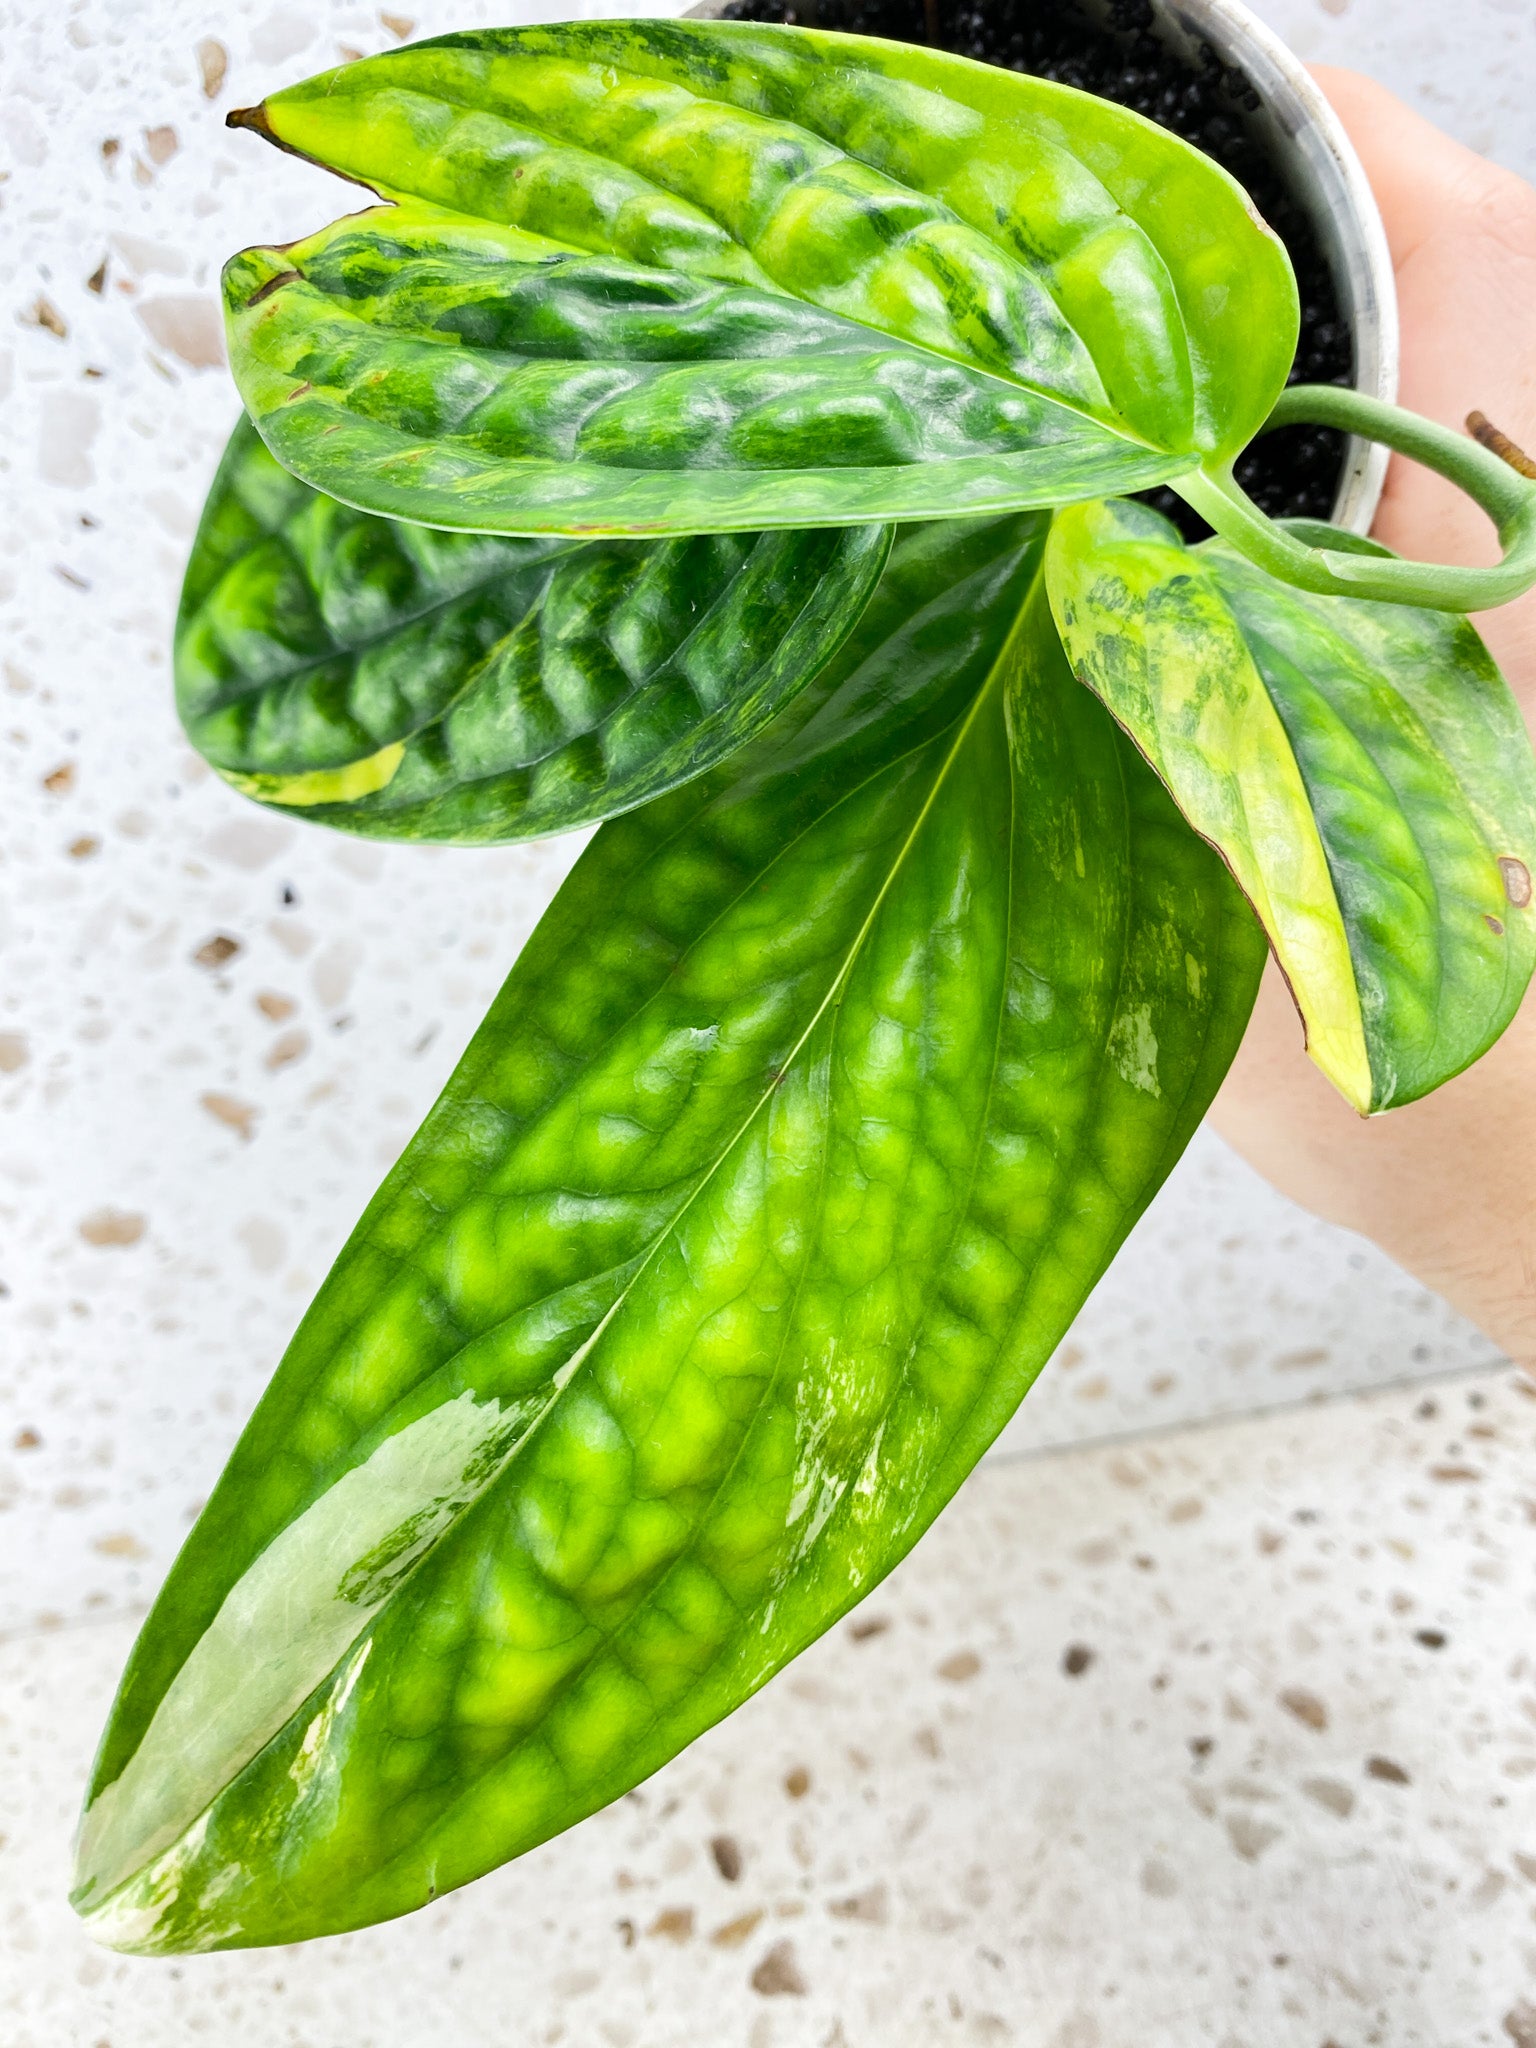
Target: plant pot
column 1288, row 119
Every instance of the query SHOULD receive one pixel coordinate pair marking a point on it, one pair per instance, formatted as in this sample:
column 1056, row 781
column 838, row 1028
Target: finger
column 1463, row 238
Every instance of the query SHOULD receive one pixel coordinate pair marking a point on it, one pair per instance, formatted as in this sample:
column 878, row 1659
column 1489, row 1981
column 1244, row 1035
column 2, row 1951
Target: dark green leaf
column 1362, row 767
column 812, row 1111
column 411, row 684
column 683, row 276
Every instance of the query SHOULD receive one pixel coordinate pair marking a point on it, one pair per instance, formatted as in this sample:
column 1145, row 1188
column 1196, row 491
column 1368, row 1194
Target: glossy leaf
column 810, row 1114
column 410, row 684
column 1362, row 767
column 684, row 276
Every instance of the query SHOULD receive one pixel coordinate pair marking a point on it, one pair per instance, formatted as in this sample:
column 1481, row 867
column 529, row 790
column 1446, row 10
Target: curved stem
column 1504, row 494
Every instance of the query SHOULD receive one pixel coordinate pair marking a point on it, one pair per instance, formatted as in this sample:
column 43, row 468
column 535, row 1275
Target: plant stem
column 1488, row 474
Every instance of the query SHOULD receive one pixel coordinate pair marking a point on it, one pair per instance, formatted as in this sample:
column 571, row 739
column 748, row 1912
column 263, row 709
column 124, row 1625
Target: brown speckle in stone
column 1075, row 1659
column 1520, row 2024
column 1269, row 1541
column 291, row 1046
column 213, row 66
column 673, row 1923
column 734, row 1932
column 112, row 1227
column 13, row 1051
column 160, row 144
column 872, row 1905
column 229, row 1109
column 778, row 1974
column 275, row 1007
column 400, row 26
column 1431, row 1638
column 61, row 780
column 190, row 326
column 927, row 1740
column 863, row 1626
column 1158, row 1881
column 1494, row 924
column 626, row 1931
column 1186, row 1510
column 217, row 951
column 45, row 314
column 29, row 1440
column 121, row 1544
column 1526, row 1865
column 1300, row 1361
column 97, row 281
column 86, row 847
column 1389, row 1773
column 110, row 150
column 727, row 1854
column 1517, row 880
column 962, row 1665
column 1306, row 1706
column 1250, row 1837
column 797, row 1781
column 1200, row 1747
column 1451, row 1473
column 1328, row 1793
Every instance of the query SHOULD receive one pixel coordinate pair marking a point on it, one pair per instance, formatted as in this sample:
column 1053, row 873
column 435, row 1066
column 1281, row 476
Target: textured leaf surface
column 411, row 684
column 685, row 276
column 807, row 1119
column 1362, row 767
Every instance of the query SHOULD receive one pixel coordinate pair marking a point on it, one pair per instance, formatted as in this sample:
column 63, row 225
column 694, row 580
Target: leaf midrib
column 353, row 652
column 837, row 984
column 402, row 198
column 568, row 1371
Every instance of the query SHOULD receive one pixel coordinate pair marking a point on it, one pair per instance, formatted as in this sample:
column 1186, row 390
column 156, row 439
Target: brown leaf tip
column 254, row 118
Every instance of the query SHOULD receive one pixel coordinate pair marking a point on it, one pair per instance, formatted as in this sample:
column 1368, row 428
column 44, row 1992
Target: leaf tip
column 254, row 118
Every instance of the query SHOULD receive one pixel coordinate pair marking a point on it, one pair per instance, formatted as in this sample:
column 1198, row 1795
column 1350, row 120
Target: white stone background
column 177, row 1169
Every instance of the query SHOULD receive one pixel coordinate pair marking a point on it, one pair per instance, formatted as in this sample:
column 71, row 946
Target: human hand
column 1446, row 1186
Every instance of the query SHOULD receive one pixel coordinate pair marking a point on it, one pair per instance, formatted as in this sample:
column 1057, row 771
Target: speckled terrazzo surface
column 216, row 1030
column 1221, row 1740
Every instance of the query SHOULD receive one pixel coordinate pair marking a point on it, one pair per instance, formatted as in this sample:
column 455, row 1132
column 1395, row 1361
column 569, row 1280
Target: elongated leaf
column 684, row 276
column 410, row 684
column 1362, row 767
column 812, row 1111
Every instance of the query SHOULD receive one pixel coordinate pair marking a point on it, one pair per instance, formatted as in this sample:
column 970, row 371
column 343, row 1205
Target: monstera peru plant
column 726, row 432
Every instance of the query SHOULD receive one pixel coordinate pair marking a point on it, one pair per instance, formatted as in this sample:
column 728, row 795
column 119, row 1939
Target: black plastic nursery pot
column 1213, row 74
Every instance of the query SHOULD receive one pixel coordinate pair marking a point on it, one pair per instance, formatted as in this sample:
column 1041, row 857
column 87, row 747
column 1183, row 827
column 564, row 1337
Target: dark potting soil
column 1294, row 471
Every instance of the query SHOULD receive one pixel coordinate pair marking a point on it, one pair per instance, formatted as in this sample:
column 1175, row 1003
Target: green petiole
column 1507, row 496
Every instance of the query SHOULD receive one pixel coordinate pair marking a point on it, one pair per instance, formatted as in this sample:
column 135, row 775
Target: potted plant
column 726, row 432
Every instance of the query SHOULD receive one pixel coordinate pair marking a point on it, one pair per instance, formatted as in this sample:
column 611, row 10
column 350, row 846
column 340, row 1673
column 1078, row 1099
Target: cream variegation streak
column 283, row 1627
column 1148, row 632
